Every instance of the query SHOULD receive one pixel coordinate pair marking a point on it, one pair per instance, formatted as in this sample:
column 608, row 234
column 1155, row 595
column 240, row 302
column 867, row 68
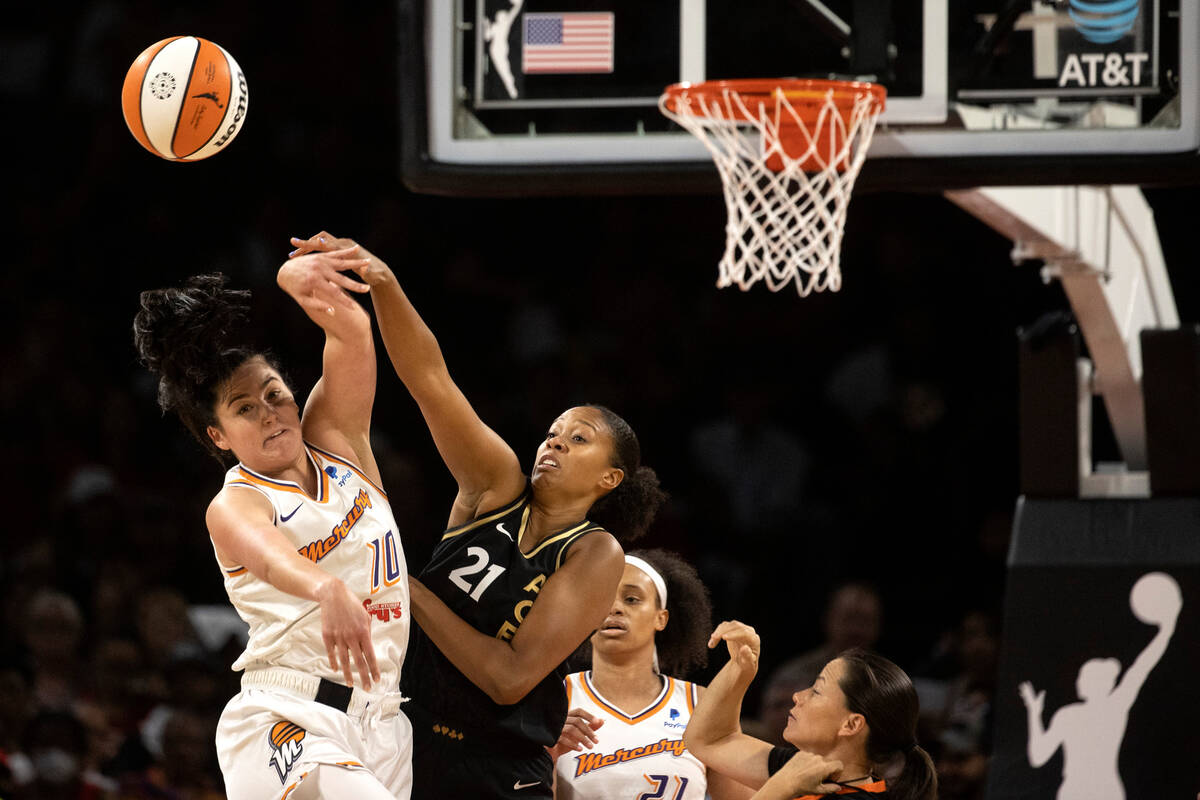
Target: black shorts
column 448, row 763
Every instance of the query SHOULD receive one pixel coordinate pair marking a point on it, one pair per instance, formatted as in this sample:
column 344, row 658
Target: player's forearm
column 1040, row 747
column 296, row 576
column 718, row 714
column 411, row 345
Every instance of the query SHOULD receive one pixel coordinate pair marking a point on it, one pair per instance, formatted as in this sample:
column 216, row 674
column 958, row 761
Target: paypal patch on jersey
column 338, row 476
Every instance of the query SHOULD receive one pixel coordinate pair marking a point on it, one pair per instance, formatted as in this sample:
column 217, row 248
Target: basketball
column 1155, row 598
column 184, row 98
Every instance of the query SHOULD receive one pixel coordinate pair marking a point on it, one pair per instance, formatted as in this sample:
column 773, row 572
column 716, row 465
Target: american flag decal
column 576, row 42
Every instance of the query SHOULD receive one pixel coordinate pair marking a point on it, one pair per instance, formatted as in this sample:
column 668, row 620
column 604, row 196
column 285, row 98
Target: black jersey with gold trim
column 480, row 572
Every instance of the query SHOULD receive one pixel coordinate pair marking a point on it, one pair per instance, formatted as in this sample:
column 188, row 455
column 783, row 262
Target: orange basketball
column 184, row 98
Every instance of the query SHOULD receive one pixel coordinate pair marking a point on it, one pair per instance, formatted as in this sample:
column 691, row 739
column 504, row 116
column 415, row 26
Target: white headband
column 659, row 584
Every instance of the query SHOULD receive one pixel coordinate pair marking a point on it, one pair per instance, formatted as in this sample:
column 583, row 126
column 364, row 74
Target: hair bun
column 177, row 330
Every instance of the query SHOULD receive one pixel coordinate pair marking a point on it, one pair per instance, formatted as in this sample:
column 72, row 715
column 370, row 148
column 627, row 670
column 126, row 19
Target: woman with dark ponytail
column 302, row 532
column 525, row 571
column 852, row 733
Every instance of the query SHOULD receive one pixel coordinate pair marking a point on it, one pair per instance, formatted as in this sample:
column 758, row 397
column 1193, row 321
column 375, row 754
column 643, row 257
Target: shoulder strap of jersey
column 690, row 694
column 585, row 529
column 244, row 484
column 569, row 685
column 489, row 516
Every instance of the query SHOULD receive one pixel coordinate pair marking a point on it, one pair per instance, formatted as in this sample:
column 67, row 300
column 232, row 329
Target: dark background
column 868, row 434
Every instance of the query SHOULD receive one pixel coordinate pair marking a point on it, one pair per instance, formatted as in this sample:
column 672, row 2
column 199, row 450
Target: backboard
column 549, row 96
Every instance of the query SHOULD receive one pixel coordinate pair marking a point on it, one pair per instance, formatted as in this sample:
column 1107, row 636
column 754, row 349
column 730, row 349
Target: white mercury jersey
column 348, row 531
column 639, row 755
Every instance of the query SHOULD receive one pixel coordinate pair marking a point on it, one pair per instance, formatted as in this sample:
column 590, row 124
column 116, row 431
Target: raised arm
column 1131, row 682
column 241, row 524
column 337, row 414
column 484, row 466
column 720, row 785
column 1042, row 742
column 714, row 733
column 570, row 605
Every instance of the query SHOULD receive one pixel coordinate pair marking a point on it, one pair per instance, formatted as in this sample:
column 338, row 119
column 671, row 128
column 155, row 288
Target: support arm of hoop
column 834, row 26
column 1102, row 244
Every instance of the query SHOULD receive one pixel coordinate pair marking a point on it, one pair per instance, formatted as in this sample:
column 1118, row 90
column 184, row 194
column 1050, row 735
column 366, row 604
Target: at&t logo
column 1104, row 21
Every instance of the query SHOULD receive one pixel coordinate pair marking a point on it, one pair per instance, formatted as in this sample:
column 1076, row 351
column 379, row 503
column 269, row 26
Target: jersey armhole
column 562, row 551
column 260, row 490
column 346, row 463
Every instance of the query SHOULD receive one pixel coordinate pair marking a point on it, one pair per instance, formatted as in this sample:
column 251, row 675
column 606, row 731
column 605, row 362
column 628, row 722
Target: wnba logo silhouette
column 1090, row 731
column 1103, row 22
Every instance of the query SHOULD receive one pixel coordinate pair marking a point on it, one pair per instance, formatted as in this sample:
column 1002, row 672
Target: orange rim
column 806, row 95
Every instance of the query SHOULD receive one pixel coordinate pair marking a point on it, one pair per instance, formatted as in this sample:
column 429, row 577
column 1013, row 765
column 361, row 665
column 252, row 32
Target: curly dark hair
column 190, row 337
column 627, row 511
column 682, row 645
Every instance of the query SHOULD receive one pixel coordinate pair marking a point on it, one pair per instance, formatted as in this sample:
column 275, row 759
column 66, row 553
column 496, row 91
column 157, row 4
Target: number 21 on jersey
column 660, row 784
column 459, row 575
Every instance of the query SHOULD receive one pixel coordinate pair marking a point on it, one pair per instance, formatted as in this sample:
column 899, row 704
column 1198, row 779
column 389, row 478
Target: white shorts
column 268, row 739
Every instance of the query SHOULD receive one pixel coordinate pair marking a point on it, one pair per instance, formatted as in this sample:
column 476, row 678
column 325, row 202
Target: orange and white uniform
column 638, row 755
column 293, row 713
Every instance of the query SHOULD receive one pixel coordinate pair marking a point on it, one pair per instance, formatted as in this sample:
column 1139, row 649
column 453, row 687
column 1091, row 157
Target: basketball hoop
column 788, row 152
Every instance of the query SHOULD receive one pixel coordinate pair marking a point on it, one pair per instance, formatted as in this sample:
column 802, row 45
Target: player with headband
column 624, row 733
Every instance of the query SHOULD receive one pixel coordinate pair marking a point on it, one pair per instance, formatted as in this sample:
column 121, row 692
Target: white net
column 788, row 161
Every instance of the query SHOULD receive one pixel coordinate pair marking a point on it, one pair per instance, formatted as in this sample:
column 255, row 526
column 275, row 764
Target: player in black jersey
column 525, row 571
column 853, row 732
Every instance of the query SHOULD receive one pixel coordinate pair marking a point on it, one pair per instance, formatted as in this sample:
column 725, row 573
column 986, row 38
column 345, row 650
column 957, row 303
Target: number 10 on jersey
column 385, row 558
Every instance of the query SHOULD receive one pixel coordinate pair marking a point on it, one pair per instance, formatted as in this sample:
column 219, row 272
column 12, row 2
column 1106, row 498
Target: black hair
column 885, row 696
column 627, row 511
column 190, row 338
column 683, row 645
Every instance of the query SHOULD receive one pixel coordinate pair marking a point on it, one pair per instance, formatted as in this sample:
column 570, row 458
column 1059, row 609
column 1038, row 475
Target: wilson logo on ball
column 184, row 98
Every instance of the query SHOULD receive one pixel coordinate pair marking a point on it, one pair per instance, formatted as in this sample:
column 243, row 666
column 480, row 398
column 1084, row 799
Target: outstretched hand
column 807, row 773
column 742, row 641
column 316, row 281
column 346, row 630
column 371, row 269
column 1033, row 701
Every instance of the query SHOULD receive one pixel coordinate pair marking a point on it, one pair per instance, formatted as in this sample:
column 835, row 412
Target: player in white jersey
column 303, row 534
column 624, row 734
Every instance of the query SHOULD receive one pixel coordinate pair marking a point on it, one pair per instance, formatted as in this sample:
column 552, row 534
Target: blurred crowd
column 842, row 468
